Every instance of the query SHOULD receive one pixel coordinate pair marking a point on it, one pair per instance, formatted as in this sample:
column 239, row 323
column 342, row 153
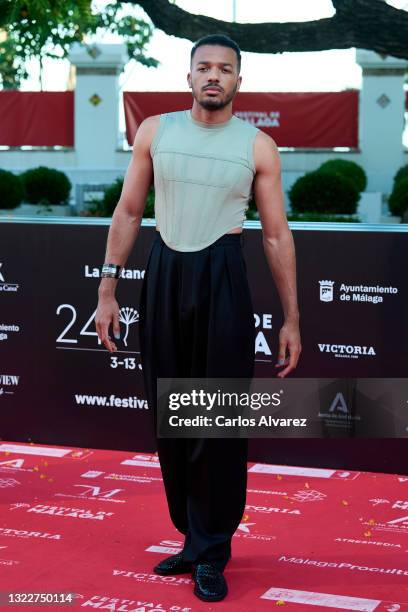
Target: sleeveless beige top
column 202, row 178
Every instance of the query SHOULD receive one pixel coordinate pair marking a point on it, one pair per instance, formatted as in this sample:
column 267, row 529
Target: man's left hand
column 289, row 338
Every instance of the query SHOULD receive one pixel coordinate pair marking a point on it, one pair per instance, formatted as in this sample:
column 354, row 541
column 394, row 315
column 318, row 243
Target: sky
column 333, row 70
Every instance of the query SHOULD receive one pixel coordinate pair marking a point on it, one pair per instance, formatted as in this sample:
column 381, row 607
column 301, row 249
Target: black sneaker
column 173, row 565
column 210, row 584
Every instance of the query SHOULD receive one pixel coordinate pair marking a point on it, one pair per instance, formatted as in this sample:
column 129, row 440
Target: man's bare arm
column 125, row 225
column 278, row 243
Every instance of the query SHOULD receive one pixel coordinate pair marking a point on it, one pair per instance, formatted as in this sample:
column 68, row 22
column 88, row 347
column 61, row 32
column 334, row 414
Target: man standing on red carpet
column 196, row 312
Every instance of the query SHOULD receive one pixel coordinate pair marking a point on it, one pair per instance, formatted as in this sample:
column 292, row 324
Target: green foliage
column 347, row 168
column 400, row 174
column 398, row 200
column 13, row 10
column 321, row 217
column 111, row 197
column 252, row 210
column 324, row 192
column 136, row 33
column 106, row 206
column 39, row 29
column 12, row 68
column 94, row 209
column 11, row 190
column 253, row 215
column 149, row 209
column 44, row 185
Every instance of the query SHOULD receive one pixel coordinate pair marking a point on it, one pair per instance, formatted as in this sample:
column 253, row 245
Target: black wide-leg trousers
column 197, row 321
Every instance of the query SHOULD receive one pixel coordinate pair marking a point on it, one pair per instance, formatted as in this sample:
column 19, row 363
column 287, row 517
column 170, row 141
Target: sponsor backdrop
column 59, row 385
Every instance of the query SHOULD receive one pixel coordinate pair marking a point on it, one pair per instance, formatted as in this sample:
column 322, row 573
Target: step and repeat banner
column 58, row 384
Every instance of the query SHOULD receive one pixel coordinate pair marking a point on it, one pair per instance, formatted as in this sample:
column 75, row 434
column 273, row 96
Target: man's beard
column 214, row 103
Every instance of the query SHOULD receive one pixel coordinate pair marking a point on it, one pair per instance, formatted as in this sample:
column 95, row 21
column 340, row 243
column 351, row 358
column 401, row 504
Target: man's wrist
column 292, row 317
column 107, row 287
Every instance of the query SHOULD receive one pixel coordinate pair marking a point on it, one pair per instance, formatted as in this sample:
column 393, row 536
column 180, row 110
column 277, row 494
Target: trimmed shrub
column 149, row 210
column 111, row 197
column 106, row 206
column 347, row 168
column 324, row 192
column 398, row 200
column 252, row 212
column 44, row 185
column 313, row 217
column 401, row 173
column 251, row 215
column 11, row 190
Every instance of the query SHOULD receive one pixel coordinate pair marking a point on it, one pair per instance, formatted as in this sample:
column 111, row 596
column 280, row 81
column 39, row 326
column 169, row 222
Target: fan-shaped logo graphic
column 128, row 316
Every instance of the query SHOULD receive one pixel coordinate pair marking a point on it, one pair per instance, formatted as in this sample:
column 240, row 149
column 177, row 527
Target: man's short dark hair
column 218, row 39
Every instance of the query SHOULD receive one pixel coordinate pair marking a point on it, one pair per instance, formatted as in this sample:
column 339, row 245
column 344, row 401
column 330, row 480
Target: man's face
column 213, row 78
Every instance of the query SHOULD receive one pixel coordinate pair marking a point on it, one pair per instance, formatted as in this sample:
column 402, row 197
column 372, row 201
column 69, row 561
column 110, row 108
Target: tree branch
column 365, row 24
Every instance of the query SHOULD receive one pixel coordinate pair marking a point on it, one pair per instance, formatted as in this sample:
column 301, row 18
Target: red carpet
column 93, row 523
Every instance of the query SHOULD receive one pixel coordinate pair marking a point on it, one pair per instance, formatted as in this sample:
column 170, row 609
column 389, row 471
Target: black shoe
column 173, row 565
column 210, row 584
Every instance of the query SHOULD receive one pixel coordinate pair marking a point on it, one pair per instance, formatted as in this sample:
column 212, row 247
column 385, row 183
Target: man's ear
column 189, row 79
column 239, row 81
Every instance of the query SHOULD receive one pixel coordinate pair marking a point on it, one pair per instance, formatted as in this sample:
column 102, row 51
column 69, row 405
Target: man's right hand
column 107, row 313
